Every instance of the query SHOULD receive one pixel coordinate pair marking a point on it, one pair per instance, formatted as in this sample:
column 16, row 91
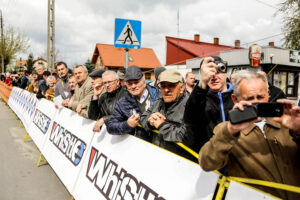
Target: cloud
column 82, row 24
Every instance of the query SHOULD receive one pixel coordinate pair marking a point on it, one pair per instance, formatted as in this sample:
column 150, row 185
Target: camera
column 249, row 113
column 221, row 66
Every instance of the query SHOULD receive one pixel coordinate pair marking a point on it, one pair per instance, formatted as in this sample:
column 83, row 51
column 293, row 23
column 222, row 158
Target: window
column 286, row 81
column 148, row 76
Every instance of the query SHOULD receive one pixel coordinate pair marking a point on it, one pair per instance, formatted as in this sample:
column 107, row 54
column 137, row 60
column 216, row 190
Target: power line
column 266, row 4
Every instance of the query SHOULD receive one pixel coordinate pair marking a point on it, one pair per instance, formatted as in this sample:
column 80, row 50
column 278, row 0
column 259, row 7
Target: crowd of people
column 185, row 110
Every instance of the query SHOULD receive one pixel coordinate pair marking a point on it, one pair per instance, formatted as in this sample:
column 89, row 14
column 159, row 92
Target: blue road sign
column 127, row 33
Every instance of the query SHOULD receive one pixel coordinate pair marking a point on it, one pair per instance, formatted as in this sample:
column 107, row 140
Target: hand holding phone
column 250, row 113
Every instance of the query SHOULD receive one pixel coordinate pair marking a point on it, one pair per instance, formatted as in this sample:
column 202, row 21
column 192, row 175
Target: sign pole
column 126, row 58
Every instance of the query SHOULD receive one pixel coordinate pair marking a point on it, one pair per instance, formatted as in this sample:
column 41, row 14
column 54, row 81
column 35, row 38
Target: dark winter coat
column 173, row 130
column 204, row 110
column 117, row 125
column 104, row 106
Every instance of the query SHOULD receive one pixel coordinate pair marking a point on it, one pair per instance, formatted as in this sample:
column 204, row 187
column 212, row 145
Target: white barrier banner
column 125, row 167
column 41, row 121
column 16, row 100
column 237, row 190
column 66, row 145
column 29, row 108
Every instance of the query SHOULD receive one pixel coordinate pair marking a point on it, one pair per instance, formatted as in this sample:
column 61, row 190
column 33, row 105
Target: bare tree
column 13, row 44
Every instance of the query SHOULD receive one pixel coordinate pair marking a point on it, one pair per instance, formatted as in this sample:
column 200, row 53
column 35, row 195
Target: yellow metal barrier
column 27, row 137
column 41, row 159
column 225, row 181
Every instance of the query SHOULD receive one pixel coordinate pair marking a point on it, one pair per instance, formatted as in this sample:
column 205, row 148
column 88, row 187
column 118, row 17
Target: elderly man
column 62, row 87
column 139, row 98
column 39, row 70
column 209, row 102
column 166, row 115
column 102, row 107
column 83, row 91
column 266, row 149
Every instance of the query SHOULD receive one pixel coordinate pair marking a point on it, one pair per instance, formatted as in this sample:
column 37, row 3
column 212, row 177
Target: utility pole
column 51, row 35
column 126, row 58
column 2, row 44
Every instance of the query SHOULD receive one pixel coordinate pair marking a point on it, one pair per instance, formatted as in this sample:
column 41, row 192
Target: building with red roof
column 179, row 50
column 106, row 56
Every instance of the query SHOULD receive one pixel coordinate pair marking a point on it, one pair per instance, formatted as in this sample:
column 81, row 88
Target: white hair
column 84, row 67
column 249, row 75
column 51, row 78
column 110, row 72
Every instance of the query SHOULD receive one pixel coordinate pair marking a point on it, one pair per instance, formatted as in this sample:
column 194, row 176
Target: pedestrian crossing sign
column 127, row 33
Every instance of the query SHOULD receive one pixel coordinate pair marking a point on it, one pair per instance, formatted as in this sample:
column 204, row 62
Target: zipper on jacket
column 222, row 106
column 285, row 192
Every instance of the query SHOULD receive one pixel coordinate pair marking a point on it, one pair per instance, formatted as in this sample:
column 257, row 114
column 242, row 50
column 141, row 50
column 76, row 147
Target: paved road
column 20, row 178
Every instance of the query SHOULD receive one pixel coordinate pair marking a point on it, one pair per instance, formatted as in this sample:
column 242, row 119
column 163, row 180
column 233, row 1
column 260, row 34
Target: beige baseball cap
column 171, row 76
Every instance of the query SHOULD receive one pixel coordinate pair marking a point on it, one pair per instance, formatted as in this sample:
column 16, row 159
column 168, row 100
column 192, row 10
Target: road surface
column 20, row 178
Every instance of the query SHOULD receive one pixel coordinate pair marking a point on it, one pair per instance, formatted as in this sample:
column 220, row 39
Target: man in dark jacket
column 209, row 102
column 102, row 107
column 166, row 115
column 43, row 85
column 25, row 80
column 139, row 98
column 62, row 87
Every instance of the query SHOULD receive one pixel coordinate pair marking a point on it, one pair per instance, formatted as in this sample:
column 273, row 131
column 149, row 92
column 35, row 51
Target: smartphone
column 133, row 112
column 269, row 109
column 237, row 116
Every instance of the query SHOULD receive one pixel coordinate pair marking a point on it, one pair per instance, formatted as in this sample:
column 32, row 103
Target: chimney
column 271, row 44
column 216, row 41
column 197, row 38
column 237, row 43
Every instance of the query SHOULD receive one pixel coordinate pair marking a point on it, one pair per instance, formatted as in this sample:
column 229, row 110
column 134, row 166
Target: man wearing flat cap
column 128, row 110
column 166, row 115
column 102, row 106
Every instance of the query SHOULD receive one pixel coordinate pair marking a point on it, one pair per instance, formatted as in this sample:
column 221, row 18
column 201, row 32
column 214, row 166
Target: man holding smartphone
column 127, row 112
column 265, row 149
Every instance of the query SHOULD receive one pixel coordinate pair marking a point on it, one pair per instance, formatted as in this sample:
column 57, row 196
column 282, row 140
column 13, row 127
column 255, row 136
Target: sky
column 80, row 24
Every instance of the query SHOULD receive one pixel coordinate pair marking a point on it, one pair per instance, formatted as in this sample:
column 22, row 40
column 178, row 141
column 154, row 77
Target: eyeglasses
column 108, row 82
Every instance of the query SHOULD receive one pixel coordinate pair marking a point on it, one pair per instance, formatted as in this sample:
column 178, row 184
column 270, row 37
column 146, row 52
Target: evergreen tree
column 30, row 62
column 89, row 65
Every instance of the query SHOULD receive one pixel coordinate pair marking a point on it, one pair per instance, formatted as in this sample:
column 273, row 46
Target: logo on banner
column 115, row 182
column 70, row 145
column 41, row 120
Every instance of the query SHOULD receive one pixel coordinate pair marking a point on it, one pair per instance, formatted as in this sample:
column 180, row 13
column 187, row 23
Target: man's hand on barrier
column 207, row 71
column 79, row 108
column 65, row 102
column 70, row 103
column 156, row 119
column 291, row 115
column 133, row 120
column 98, row 125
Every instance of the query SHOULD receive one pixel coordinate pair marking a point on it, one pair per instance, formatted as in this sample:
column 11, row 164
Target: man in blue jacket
column 127, row 112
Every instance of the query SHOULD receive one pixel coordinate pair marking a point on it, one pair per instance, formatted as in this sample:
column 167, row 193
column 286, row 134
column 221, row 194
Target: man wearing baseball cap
column 166, row 115
column 127, row 112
